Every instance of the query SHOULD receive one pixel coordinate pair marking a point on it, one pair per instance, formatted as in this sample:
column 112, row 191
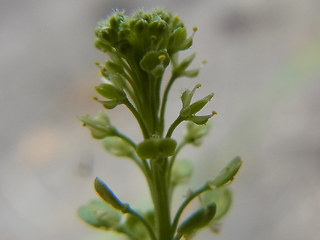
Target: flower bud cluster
column 133, row 37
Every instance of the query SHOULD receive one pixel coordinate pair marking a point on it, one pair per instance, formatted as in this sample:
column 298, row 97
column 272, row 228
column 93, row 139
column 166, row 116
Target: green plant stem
column 127, row 139
column 164, row 103
column 185, row 203
column 138, row 118
column 160, row 197
column 123, row 230
column 173, row 126
column 171, row 163
column 144, row 222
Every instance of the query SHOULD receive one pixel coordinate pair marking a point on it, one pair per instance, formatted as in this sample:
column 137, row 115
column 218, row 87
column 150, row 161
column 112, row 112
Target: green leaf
column 108, row 196
column 227, row 174
column 100, row 215
column 222, row 197
column 118, row 147
column 197, row 220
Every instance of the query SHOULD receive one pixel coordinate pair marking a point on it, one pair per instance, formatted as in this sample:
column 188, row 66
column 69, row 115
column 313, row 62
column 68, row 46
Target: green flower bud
column 141, row 25
column 99, row 125
column 196, row 106
column 187, row 95
column 100, row 215
column 153, row 59
column 158, row 27
column 149, row 61
column 125, row 34
column 197, row 220
column 102, row 46
column 109, row 35
column 125, row 48
column 187, row 44
column 118, row 147
column 111, row 92
column 177, row 39
column 108, row 196
column 112, row 67
column 116, row 20
column 227, row 174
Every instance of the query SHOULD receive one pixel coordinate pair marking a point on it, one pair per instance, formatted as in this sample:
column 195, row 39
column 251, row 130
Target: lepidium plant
column 140, row 48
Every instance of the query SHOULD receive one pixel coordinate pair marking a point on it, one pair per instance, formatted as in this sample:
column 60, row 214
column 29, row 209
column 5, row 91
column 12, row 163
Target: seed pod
column 198, row 219
column 166, row 147
column 118, row 147
column 154, row 147
column 227, row 174
column 148, row 148
column 100, row 215
column 107, row 195
column 222, row 197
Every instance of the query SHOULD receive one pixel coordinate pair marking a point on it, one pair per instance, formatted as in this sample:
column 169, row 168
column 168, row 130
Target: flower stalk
column 140, row 48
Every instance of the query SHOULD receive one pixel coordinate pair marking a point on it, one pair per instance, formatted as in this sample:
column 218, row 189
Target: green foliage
column 140, row 48
column 227, row 174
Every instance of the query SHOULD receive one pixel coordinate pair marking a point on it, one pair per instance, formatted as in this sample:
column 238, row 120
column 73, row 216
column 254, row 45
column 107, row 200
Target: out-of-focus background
column 263, row 65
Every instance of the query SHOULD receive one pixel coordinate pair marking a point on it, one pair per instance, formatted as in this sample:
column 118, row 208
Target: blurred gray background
column 263, row 65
